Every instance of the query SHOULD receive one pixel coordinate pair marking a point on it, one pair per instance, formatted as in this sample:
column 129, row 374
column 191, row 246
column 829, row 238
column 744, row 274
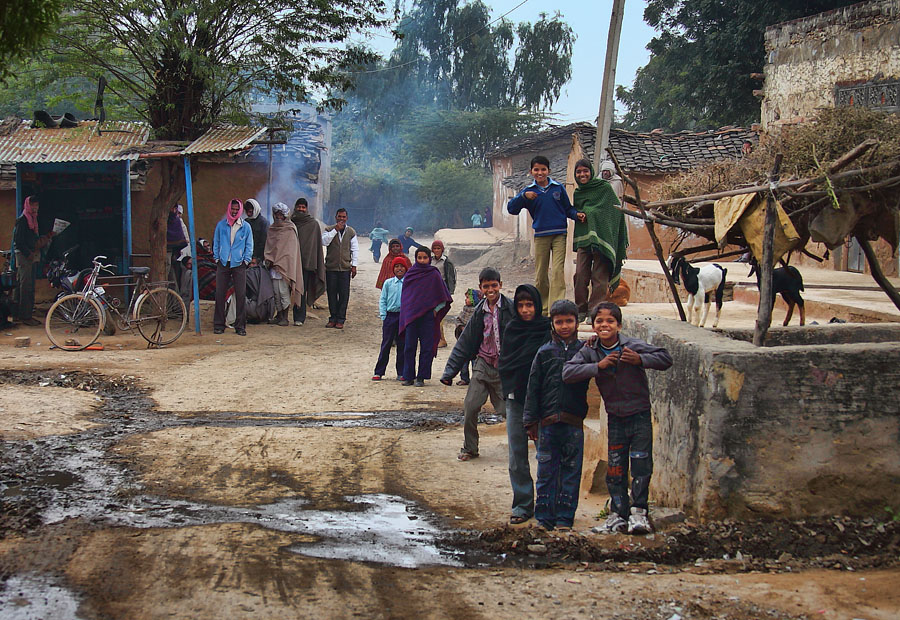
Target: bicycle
column 74, row 321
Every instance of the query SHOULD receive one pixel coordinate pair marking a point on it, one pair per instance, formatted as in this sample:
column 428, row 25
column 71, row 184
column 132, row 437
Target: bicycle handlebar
column 97, row 263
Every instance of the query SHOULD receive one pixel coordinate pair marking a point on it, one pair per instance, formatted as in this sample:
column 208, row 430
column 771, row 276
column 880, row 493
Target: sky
column 580, row 98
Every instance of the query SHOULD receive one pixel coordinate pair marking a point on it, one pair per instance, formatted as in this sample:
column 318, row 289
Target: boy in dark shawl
column 424, row 302
column 523, row 336
column 600, row 241
column 309, row 233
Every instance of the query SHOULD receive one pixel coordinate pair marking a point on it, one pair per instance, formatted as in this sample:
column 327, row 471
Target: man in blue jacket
column 548, row 203
column 233, row 250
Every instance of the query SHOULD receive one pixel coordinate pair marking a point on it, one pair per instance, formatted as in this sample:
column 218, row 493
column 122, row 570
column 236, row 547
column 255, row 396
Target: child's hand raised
column 530, row 195
column 630, row 357
column 609, row 360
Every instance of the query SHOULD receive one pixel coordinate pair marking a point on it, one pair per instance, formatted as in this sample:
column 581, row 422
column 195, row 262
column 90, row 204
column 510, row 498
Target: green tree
column 451, row 190
column 698, row 76
column 184, row 64
column 23, row 25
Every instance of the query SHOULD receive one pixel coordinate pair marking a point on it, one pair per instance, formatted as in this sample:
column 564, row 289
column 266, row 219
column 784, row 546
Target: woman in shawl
column 282, row 257
column 521, row 339
column 424, row 302
column 600, row 240
column 28, row 242
column 395, row 249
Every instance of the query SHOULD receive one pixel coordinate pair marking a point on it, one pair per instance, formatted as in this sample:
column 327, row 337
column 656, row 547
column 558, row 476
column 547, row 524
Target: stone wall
column 801, row 429
column 807, row 58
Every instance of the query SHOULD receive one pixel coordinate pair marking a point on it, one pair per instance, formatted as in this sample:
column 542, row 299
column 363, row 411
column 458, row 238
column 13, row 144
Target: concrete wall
column 807, row 58
column 808, row 429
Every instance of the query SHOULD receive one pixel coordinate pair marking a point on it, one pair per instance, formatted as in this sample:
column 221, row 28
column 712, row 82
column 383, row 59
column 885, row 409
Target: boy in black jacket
column 617, row 364
column 480, row 341
column 554, row 415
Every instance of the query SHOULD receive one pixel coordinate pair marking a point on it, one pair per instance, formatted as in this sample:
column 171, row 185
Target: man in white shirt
column 341, row 259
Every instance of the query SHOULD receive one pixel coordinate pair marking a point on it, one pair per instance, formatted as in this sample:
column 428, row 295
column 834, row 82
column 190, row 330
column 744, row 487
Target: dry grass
column 832, row 134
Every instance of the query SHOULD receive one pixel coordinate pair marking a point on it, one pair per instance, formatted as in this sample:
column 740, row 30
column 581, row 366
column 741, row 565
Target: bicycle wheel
column 160, row 316
column 74, row 322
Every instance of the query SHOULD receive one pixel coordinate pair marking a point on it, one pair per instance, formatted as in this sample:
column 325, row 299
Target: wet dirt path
column 156, row 489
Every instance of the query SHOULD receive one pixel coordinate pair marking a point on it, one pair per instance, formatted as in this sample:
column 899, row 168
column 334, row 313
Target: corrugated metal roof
column 224, row 138
column 83, row 143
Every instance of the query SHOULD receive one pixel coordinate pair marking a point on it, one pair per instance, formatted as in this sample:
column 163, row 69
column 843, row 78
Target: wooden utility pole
column 766, row 264
column 604, row 118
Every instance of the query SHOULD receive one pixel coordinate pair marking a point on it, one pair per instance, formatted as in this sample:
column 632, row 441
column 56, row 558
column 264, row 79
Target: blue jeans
column 419, row 334
column 630, row 443
column 519, row 469
column 560, row 452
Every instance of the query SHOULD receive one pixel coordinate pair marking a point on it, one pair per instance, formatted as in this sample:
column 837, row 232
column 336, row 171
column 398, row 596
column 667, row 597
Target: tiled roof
column 87, row 142
column 224, row 138
column 651, row 153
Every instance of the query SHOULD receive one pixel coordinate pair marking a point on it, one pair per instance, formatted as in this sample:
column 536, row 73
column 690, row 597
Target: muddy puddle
column 37, row 597
column 47, row 480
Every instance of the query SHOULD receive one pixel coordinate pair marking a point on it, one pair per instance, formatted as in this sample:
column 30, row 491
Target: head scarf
column 179, row 209
column 437, row 243
column 279, row 206
column 228, row 218
column 520, row 342
column 256, row 209
column 473, row 296
column 30, row 211
column 387, row 264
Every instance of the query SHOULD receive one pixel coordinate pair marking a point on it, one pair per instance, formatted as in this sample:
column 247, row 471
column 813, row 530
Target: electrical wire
column 454, row 44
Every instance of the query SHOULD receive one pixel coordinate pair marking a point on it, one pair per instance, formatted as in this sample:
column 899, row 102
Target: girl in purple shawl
column 424, row 301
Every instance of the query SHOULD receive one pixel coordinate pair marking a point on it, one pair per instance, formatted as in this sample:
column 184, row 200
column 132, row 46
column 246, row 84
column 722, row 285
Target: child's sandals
column 466, row 456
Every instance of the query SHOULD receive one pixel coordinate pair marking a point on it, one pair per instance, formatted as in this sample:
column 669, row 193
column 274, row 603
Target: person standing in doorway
column 312, row 255
column 28, row 243
column 176, row 241
column 341, row 259
column 548, row 203
column 233, row 251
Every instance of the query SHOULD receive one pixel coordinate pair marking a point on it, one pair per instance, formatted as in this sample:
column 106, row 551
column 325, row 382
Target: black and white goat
column 699, row 282
column 788, row 282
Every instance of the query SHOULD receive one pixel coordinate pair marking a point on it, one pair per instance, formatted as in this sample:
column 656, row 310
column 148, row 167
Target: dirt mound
column 508, row 255
column 838, row 542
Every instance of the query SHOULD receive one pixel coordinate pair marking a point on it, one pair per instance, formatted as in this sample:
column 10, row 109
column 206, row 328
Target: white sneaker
column 614, row 525
column 638, row 523
column 298, row 323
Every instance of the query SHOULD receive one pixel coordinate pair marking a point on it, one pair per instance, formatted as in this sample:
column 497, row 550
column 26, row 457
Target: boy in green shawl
column 601, row 238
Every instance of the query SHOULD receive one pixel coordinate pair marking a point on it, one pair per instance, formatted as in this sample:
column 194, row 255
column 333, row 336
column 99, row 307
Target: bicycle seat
column 140, row 271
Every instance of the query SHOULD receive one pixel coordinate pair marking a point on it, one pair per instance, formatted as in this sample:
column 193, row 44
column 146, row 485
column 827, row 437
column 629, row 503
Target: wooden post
column 877, row 273
column 604, row 118
column 766, row 265
column 657, row 246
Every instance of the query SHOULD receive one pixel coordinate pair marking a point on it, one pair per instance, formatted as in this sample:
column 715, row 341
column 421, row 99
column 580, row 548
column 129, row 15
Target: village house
column 845, row 57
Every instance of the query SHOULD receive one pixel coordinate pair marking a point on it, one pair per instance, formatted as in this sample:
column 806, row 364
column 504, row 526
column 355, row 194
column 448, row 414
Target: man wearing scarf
column 258, row 225
column 608, row 173
column 312, row 255
column 233, row 251
column 282, row 257
column 600, row 241
column 521, row 340
column 28, row 244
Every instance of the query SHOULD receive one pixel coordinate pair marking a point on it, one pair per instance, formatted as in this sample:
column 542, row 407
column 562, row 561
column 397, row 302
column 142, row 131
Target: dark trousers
column 224, row 277
column 419, row 333
column 630, row 440
column 376, row 250
column 591, row 268
column 389, row 337
column 300, row 311
column 337, row 283
column 559, row 455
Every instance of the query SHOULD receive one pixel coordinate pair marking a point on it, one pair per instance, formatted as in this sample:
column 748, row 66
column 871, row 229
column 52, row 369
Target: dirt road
column 269, row 477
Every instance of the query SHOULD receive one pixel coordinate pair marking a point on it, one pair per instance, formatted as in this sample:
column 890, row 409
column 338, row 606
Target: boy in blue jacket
column 617, row 363
column 554, row 416
column 233, row 251
column 548, row 203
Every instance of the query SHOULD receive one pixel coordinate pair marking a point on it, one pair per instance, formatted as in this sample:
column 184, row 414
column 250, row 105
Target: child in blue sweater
column 389, row 311
column 548, row 203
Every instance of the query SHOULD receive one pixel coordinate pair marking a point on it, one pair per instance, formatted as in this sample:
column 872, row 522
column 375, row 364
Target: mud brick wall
column 788, row 431
column 807, row 58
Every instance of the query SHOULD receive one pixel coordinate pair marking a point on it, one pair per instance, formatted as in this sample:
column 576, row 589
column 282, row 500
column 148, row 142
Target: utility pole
column 604, row 118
